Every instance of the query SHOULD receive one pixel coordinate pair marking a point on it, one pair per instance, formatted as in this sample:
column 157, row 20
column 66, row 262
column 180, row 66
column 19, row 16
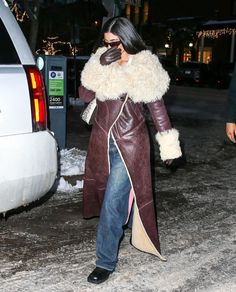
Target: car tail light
column 38, row 100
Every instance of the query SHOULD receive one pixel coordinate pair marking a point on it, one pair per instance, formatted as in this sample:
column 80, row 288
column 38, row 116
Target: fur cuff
column 169, row 144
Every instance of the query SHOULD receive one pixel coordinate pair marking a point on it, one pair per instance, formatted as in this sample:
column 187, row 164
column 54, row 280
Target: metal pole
column 114, row 10
column 202, row 48
column 232, row 49
column 74, row 63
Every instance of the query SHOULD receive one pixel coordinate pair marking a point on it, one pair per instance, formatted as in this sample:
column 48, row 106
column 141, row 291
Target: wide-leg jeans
column 114, row 212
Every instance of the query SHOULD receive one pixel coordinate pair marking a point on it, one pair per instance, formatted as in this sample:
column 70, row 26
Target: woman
column 123, row 75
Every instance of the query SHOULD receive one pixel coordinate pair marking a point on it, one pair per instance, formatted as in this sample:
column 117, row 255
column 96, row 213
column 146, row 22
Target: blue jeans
column 114, row 212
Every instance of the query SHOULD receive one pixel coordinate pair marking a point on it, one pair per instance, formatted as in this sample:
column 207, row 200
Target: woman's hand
column 168, row 162
column 174, row 164
column 110, row 56
column 231, row 131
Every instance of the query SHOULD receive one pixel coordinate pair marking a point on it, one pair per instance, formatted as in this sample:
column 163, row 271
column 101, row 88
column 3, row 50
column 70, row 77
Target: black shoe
column 99, row 275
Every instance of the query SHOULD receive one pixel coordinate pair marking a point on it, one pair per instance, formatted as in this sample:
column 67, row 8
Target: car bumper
column 28, row 168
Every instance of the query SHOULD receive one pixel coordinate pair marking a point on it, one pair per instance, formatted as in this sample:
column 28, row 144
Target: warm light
column 215, row 33
column 33, row 81
column 145, row 12
column 36, row 110
column 20, row 16
column 51, row 42
column 128, row 9
column 207, row 55
column 190, row 45
column 37, row 96
column 167, row 46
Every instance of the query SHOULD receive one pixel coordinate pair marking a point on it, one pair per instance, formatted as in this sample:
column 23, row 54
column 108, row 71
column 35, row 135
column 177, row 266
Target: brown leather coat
column 124, row 119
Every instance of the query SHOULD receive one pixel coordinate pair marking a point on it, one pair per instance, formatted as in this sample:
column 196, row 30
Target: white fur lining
column 139, row 238
column 169, row 144
column 143, row 79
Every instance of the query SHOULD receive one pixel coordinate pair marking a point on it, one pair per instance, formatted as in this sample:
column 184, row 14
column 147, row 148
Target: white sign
column 56, row 75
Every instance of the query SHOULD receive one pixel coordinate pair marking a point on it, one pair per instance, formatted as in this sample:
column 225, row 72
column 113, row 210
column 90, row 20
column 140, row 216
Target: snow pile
column 65, row 186
column 72, row 163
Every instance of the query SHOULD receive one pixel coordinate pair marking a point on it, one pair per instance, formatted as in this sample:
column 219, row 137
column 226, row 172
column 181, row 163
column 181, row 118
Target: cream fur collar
column 143, row 78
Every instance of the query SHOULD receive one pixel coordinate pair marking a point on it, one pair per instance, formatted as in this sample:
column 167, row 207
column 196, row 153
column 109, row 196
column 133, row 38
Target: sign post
column 54, row 70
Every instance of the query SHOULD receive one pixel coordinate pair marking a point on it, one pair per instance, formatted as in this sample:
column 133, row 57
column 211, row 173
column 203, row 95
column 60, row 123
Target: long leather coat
column 141, row 80
column 124, row 120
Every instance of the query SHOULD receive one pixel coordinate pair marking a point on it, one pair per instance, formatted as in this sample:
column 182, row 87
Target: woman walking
column 123, row 75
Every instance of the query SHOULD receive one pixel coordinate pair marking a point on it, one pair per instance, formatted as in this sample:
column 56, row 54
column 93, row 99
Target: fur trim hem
column 143, row 78
column 169, row 144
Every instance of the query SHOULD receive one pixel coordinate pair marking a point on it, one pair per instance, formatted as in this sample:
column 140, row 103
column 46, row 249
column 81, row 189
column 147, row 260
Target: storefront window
column 187, row 55
column 207, row 55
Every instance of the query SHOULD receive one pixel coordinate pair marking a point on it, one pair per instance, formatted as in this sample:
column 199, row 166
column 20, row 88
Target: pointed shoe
column 99, row 275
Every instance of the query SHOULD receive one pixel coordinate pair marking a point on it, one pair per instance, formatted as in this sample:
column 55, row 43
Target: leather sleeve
column 85, row 94
column 159, row 115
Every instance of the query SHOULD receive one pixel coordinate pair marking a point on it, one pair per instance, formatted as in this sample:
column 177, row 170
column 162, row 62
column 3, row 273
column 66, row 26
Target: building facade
column 203, row 31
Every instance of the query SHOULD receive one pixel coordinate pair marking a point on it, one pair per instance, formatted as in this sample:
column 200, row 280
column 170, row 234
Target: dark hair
column 124, row 29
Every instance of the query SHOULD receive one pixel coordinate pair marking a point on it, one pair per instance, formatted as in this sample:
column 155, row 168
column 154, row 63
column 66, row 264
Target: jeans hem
column 110, row 270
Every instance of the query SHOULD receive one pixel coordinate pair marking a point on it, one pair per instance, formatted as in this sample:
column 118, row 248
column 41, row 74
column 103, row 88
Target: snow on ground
column 196, row 216
column 65, row 186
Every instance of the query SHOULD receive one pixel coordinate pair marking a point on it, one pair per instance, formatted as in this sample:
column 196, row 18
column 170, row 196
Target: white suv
column 28, row 150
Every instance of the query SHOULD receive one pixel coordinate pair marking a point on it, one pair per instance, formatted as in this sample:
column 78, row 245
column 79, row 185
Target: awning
column 216, row 28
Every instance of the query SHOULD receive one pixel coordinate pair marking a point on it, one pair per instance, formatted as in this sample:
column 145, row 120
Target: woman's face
column 111, row 40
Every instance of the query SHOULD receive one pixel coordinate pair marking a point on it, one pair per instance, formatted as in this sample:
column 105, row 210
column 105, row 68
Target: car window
column 8, row 54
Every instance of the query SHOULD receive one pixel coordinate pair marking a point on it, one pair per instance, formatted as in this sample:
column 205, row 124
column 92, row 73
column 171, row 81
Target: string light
column 216, row 33
column 20, row 16
column 49, row 47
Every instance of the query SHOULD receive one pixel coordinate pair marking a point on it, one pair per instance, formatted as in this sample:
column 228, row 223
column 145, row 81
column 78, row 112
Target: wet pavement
column 48, row 246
